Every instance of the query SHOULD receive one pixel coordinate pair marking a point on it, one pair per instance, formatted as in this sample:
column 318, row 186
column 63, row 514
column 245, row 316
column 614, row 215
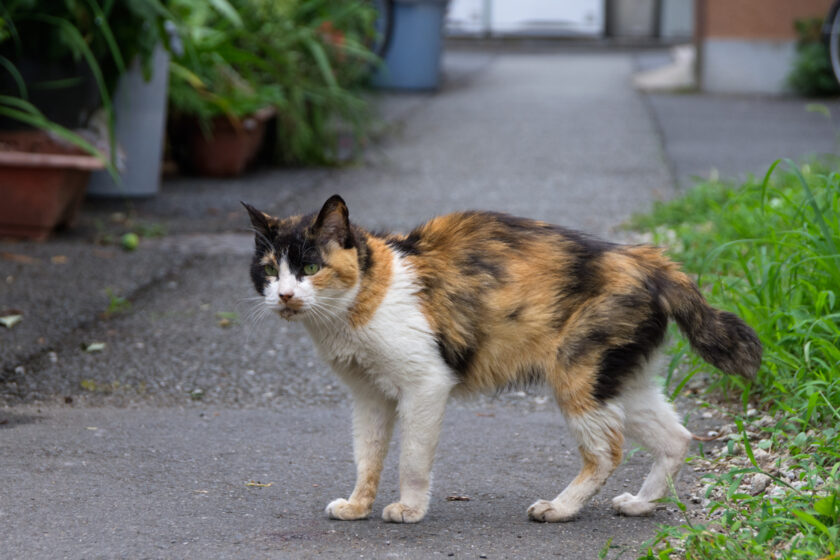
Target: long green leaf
column 102, row 24
column 323, row 63
column 16, row 76
column 766, row 181
column 228, row 11
column 21, row 104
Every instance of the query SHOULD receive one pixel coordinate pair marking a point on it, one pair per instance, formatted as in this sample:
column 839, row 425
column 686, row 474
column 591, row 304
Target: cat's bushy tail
column 721, row 338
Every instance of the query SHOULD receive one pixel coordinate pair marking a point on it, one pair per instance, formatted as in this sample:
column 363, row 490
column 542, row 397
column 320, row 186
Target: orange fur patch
column 341, row 270
column 375, row 283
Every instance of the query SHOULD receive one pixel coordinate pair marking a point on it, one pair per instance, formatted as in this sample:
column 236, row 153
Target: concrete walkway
column 144, row 449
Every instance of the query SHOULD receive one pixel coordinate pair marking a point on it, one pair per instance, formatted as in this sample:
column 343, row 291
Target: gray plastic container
column 140, row 113
column 412, row 61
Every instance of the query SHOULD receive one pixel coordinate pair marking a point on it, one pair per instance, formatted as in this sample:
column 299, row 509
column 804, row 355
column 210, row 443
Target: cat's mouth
column 288, row 313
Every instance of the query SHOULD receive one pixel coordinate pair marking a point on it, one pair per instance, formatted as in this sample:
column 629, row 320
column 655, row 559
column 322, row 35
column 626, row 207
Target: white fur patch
column 396, row 349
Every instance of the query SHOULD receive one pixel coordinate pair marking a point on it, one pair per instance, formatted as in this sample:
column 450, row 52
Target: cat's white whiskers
column 324, row 312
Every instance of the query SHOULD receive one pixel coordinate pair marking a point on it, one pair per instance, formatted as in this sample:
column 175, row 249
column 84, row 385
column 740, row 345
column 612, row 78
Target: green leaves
column 305, row 58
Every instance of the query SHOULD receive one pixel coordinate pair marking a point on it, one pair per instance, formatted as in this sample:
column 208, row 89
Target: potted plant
column 300, row 60
column 42, row 183
column 59, row 61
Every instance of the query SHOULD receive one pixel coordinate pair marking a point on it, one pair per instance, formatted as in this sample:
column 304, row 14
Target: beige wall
column 756, row 19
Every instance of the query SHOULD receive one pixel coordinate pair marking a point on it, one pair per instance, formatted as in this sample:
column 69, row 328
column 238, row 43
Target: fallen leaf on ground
column 10, row 321
column 95, row 347
column 258, row 484
column 18, row 258
column 226, row 318
column 456, row 498
column 58, row 259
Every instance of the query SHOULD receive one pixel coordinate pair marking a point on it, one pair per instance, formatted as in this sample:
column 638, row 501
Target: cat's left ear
column 333, row 222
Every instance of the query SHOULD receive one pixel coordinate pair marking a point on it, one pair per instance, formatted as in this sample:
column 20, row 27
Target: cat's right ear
column 332, row 223
column 260, row 220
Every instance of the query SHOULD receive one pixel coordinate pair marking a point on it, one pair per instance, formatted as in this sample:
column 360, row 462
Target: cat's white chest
column 393, row 349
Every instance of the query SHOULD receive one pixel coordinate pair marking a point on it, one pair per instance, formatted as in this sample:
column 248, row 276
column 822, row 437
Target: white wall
column 741, row 66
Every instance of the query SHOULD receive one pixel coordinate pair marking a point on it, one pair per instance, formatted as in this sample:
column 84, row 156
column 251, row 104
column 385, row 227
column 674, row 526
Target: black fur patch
column 409, row 245
column 583, row 279
column 362, row 249
column 459, row 358
column 475, row 264
column 515, row 223
column 618, row 362
column 258, row 273
column 579, row 347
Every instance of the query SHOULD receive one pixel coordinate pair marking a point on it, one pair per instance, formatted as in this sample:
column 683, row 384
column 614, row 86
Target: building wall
column 759, row 19
column 748, row 46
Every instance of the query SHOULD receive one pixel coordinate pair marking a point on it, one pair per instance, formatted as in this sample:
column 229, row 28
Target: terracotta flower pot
column 42, row 183
column 230, row 147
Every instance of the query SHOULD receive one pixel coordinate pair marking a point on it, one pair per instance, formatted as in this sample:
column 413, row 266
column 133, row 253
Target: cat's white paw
column 401, row 513
column 622, row 498
column 346, row 511
column 547, row 512
column 628, row 504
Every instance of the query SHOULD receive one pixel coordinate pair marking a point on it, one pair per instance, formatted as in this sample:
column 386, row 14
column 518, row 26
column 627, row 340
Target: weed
column 116, row 304
column 770, row 251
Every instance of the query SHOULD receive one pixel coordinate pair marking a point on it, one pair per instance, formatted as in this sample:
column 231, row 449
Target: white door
column 526, row 17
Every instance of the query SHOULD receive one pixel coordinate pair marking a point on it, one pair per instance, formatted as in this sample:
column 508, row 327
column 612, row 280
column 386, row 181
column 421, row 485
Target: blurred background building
column 745, row 46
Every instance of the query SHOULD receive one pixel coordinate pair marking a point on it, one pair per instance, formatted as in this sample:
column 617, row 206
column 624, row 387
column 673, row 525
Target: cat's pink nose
column 285, row 297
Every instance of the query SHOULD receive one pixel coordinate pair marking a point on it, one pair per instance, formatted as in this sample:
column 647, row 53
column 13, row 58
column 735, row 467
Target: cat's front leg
column 373, row 424
column 421, row 411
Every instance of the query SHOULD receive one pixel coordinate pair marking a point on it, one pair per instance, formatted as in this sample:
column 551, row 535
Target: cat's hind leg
column 652, row 421
column 598, row 431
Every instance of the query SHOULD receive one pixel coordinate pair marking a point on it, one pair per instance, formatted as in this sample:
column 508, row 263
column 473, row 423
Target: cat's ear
column 260, row 220
column 333, row 222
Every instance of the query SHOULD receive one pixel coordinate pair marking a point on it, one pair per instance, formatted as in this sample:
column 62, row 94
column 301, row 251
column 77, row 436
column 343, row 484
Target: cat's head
column 307, row 267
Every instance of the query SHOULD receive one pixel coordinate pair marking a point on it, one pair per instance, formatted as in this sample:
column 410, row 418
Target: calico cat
column 478, row 301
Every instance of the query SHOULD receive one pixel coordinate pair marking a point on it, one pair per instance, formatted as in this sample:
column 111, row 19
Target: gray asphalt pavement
column 172, row 483
column 144, row 449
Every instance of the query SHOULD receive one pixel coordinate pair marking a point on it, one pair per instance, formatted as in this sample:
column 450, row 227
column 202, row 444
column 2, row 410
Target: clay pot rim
column 13, row 158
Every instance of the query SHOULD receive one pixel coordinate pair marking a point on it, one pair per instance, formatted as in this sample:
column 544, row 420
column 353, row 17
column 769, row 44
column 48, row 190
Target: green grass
column 768, row 250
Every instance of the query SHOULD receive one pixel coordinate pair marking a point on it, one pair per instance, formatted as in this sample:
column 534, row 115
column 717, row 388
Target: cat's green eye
column 270, row 270
column 311, row 269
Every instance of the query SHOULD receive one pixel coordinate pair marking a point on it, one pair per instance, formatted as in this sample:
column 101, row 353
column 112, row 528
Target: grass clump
column 770, row 251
